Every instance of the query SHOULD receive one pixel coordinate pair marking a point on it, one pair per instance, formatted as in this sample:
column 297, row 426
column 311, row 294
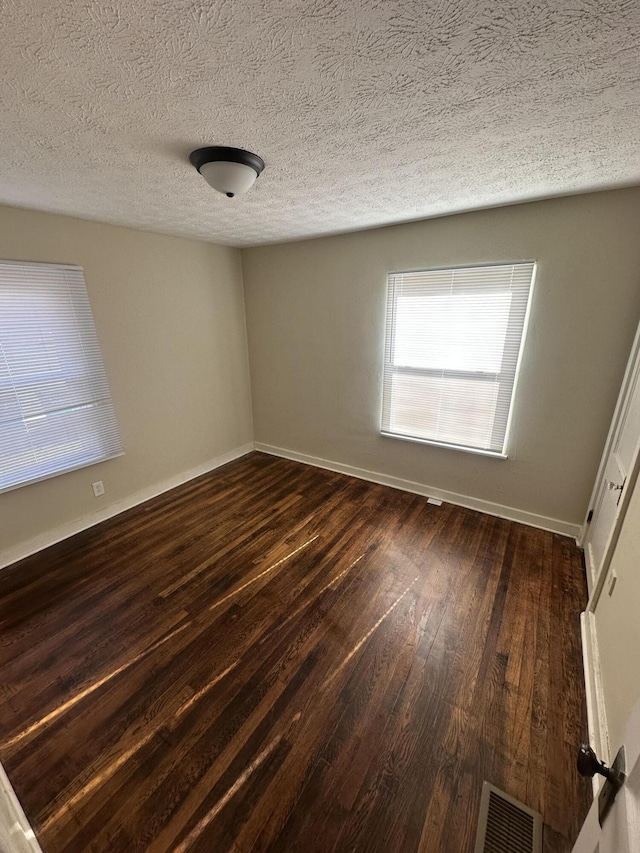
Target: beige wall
column 170, row 320
column 315, row 316
column 618, row 627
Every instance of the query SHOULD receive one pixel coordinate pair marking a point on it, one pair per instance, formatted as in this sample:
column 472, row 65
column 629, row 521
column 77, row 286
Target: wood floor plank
column 274, row 657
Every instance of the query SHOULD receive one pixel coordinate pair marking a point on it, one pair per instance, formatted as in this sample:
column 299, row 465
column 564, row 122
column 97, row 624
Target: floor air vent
column 505, row 825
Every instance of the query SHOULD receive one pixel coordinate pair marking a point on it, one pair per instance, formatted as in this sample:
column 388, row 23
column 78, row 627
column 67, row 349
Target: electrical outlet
column 98, row 489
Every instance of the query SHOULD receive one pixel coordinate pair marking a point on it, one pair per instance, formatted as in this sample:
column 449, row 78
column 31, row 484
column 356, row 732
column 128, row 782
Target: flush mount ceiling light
column 231, row 171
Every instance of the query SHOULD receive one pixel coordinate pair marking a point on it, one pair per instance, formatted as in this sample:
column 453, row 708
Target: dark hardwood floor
column 275, row 657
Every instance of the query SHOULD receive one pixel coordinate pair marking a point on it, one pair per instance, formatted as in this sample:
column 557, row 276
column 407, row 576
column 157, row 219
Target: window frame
column 390, row 369
column 85, row 333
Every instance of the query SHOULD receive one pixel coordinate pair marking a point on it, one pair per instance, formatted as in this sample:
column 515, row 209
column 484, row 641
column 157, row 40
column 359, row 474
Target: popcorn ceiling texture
column 365, row 111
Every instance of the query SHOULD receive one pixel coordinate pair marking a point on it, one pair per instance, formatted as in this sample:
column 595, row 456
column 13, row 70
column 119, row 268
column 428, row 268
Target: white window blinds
column 56, row 412
column 453, row 343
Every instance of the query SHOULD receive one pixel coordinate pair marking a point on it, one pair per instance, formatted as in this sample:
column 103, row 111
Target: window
column 56, row 412
column 453, row 343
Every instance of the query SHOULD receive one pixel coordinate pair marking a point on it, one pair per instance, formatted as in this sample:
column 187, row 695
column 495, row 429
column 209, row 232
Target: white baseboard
column 510, row 513
column 596, row 713
column 38, row 543
column 15, row 830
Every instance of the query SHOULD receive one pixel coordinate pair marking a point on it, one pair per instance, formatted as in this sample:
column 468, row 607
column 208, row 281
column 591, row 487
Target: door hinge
column 590, row 516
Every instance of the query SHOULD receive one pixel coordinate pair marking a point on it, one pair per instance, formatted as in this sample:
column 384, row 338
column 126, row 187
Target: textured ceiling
column 365, row 111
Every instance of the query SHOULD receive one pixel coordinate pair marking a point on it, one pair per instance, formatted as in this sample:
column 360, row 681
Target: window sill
column 59, row 473
column 476, row 451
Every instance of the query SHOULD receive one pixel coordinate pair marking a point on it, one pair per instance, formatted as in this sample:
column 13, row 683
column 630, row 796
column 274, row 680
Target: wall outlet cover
column 98, row 489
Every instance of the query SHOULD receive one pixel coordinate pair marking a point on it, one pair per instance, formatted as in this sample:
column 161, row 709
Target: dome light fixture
column 231, row 171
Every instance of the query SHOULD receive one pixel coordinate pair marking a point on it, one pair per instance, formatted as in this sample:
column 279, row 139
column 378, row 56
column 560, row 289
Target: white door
column 616, row 469
column 621, row 830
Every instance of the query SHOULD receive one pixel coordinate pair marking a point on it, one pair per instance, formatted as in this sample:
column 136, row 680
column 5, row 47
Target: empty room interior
column 319, row 426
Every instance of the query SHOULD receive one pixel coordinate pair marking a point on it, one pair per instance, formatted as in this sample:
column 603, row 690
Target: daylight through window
column 56, row 412
column 453, row 344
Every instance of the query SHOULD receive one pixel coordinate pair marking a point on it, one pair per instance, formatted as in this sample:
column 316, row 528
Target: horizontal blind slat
column 452, row 346
column 56, row 411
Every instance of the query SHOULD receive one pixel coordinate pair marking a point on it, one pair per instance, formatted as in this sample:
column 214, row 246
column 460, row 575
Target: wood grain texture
column 278, row 658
